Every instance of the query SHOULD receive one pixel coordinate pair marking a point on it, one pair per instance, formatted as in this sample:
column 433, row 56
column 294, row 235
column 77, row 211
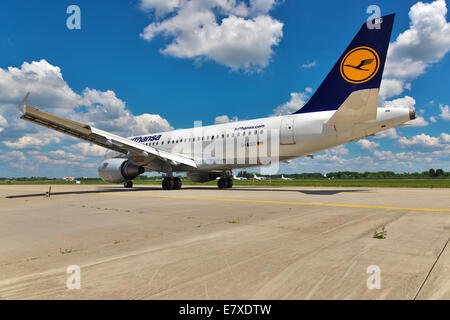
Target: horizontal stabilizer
column 360, row 106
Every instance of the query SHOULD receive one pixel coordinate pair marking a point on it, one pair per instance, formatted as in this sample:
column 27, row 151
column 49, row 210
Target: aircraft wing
column 134, row 150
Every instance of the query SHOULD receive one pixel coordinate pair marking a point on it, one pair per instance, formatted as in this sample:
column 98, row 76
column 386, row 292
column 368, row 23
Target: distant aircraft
column 239, row 178
column 344, row 108
column 255, row 177
column 286, row 179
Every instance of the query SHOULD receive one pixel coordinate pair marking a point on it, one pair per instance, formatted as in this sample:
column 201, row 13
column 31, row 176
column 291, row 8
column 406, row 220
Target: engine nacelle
column 117, row 170
column 202, row 176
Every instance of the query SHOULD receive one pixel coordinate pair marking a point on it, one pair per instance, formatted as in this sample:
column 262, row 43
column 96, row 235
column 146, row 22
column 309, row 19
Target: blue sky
column 145, row 66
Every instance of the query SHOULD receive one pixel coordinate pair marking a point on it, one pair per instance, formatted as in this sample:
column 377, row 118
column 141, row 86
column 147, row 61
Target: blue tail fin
column 360, row 67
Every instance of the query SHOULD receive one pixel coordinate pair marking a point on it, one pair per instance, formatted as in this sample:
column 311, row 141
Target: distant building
column 68, row 178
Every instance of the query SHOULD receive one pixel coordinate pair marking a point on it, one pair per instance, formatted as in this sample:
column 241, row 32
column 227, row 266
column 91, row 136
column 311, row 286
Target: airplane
column 343, row 109
column 286, row 179
column 255, row 177
column 239, row 178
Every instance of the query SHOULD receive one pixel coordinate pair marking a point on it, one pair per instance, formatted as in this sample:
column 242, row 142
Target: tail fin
column 360, row 67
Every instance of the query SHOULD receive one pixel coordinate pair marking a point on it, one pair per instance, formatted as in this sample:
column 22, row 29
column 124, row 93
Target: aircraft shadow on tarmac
column 135, row 189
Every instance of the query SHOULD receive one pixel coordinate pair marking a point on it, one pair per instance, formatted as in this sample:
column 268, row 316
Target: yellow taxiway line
column 408, row 193
column 273, row 202
column 281, row 202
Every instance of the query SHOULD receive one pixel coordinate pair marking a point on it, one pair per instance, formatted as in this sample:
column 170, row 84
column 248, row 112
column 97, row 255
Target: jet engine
column 202, row 176
column 117, row 170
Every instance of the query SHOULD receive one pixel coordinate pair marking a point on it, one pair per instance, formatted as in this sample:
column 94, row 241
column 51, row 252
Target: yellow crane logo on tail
column 360, row 65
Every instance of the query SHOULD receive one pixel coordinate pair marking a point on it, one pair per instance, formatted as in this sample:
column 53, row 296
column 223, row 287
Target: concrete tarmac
column 205, row 243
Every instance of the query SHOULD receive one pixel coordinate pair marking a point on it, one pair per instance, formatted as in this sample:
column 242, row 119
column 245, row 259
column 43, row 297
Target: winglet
column 23, row 105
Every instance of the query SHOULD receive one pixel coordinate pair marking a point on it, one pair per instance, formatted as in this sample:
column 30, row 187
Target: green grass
column 382, row 183
column 380, row 234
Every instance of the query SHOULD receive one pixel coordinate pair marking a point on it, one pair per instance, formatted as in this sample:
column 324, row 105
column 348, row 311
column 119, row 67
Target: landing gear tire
column 128, row 184
column 225, row 183
column 176, row 183
column 221, row 183
column 171, row 183
column 168, row 183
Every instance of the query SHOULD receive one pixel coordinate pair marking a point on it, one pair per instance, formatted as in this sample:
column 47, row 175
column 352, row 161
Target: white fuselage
column 234, row 145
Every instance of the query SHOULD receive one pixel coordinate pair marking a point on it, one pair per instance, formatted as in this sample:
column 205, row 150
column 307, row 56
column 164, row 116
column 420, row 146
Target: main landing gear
column 225, row 183
column 170, row 183
column 128, row 184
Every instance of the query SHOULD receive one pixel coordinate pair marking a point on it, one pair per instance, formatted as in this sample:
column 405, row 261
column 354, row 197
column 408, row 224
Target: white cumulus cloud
column 445, row 112
column 405, row 102
column 229, row 32
column 424, row 142
column 3, row 123
column 224, row 119
column 387, row 134
column 26, row 142
column 426, row 42
column 50, row 92
column 367, row 145
column 87, row 149
column 298, row 100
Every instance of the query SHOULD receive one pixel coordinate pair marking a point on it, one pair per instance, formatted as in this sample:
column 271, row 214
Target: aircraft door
column 287, row 131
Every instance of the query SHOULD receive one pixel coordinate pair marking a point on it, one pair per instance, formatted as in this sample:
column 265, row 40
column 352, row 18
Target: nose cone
column 412, row 114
